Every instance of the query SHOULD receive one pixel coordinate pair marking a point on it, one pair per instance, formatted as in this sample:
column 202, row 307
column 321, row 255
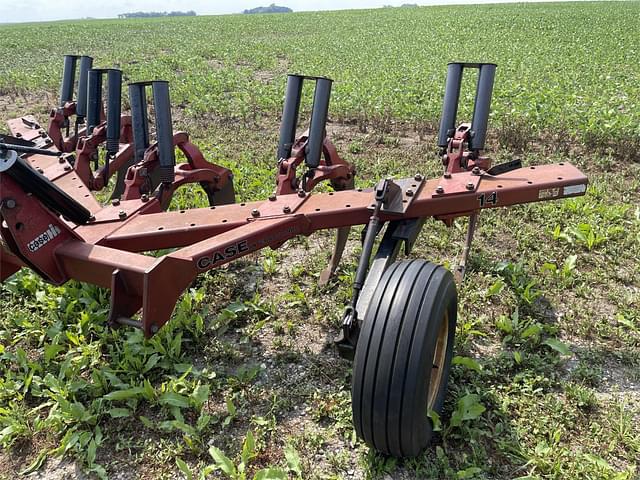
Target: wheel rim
column 439, row 356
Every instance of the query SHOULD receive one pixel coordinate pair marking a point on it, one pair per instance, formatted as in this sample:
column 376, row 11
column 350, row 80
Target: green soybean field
column 244, row 382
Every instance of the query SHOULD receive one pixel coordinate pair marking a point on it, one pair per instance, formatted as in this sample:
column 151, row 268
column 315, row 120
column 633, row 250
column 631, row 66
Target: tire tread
column 395, row 340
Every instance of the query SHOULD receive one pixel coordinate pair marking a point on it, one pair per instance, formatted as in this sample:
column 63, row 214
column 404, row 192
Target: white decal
column 574, row 189
column 548, row 193
column 41, row 240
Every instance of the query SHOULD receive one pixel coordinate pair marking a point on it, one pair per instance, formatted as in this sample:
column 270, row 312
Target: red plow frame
column 101, row 252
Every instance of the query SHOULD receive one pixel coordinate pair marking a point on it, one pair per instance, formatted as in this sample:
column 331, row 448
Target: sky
column 42, row 10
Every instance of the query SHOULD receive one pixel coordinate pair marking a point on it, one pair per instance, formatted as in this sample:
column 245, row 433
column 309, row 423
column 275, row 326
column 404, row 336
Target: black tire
column 411, row 319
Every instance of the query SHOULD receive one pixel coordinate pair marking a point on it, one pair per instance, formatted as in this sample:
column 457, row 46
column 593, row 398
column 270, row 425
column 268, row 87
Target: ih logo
column 41, row 240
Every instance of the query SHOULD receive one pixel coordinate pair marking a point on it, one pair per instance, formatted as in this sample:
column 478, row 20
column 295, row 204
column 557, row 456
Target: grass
column 564, row 68
column 244, row 378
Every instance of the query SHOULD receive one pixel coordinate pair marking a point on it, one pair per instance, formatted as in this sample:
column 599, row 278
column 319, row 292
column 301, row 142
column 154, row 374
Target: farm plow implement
column 400, row 324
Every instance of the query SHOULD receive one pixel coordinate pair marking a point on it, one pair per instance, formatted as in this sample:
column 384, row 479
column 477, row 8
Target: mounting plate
column 409, row 188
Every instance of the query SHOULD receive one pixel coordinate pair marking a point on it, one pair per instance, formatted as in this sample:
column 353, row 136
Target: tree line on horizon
column 189, row 13
column 273, row 8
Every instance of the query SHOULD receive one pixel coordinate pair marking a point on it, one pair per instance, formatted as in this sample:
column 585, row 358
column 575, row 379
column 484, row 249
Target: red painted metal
column 58, row 120
column 332, row 167
column 32, row 231
column 85, row 148
column 28, row 128
column 197, row 169
column 458, row 158
column 87, row 153
column 9, row 263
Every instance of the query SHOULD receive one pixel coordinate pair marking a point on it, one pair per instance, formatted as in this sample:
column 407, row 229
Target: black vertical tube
column 164, row 130
column 319, row 112
column 139, row 119
column 94, row 99
column 450, row 104
column 482, row 105
column 114, row 100
column 86, row 63
column 290, row 115
column 68, row 79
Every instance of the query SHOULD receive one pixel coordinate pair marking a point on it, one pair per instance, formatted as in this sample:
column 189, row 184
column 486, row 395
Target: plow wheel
column 403, row 357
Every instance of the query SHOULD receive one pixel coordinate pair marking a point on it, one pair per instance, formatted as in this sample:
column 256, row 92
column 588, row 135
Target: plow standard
column 400, row 324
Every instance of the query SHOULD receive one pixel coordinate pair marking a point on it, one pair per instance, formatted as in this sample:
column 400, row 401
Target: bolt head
column 272, row 198
column 409, row 193
column 67, row 168
column 9, row 203
column 476, row 170
column 40, row 170
column 302, row 193
column 92, row 218
column 115, row 202
column 439, row 189
column 255, row 212
column 417, row 177
column 61, row 160
column 286, row 209
column 122, row 214
column 470, row 186
column 144, row 197
column 447, row 175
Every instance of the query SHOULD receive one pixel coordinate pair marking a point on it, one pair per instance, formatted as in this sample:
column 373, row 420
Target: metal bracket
column 505, row 167
column 123, row 304
column 457, row 183
column 279, row 205
column 408, row 230
column 30, row 122
column 16, row 141
column 399, row 195
column 393, row 197
column 461, row 269
column 119, row 211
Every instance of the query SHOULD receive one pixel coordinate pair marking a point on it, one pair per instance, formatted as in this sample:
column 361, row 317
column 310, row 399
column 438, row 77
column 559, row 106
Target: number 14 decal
column 490, row 199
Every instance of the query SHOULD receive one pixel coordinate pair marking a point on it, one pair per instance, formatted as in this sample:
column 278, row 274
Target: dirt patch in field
column 62, row 469
column 215, row 64
column 267, row 76
column 15, row 458
column 264, row 76
column 399, row 139
column 13, row 105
